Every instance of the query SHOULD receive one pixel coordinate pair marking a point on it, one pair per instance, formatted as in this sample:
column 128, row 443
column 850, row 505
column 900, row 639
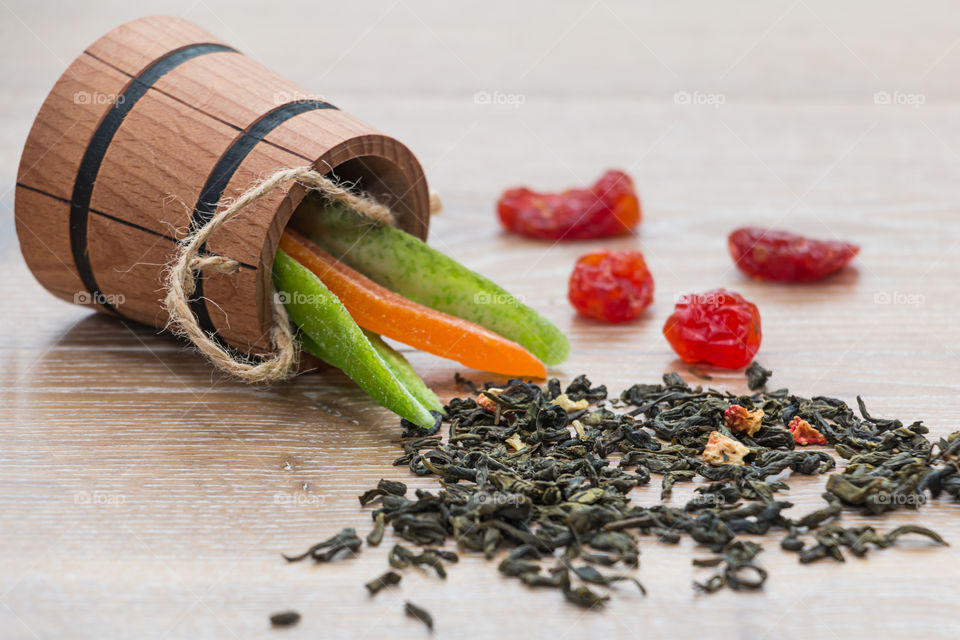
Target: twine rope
column 181, row 280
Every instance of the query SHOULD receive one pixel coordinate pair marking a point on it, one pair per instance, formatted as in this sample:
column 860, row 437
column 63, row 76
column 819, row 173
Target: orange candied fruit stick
column 382, row 311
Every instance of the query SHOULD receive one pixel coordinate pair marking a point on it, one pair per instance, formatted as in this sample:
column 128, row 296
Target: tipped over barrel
column 141, row 140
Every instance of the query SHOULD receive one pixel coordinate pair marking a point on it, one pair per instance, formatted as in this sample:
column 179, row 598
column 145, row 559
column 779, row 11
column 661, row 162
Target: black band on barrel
column 223, row 172
column 97, row 149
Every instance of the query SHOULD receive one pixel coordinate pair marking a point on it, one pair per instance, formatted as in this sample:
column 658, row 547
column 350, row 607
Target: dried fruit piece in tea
column 419, row 613
column 607, row 208
column 722, row 450
column 718, row 327
column 285, row 619
column 771, row 254
column 613, row 286
column 741, row 420
column 803, row 433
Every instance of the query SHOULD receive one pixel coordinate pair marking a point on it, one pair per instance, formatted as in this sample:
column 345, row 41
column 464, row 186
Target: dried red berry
column 719, row 327
column 804, row 433
column 608, row 208
column 769, row 254
column 614, row 286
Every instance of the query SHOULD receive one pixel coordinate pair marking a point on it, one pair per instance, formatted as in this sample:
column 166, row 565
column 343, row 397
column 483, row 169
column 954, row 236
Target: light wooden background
column 142, row 495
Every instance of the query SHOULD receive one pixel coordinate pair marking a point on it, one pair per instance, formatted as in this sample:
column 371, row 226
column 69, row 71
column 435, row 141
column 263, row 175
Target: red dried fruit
column 718, row 327
column 739, row 419
column 608, row 208
column 614, row 286
column 769, row 254
column 804, row 433
column 484, row 402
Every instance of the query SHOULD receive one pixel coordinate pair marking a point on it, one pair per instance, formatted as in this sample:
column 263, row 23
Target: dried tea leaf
column 340, row 545
column 285, row 619
column 376, row 535
column 757, row 376
column 419, row 613
column 388, row 579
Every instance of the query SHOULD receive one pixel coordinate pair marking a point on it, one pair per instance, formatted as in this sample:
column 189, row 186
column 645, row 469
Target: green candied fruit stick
column 339, row 341
column 408, row 266
column 404, row 372
column 398, row 365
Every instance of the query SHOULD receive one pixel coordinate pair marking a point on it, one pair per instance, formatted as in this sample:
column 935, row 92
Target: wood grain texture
column 142, row 495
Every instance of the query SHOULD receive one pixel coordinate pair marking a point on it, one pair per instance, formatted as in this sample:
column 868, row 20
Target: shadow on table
column 103, row 358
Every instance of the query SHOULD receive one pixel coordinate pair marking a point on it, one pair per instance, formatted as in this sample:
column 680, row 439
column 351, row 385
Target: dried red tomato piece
column 614, row 286
column 739, row 419
column 769, row 254
column 608, row 208
column 804, row 433
column 718, row 327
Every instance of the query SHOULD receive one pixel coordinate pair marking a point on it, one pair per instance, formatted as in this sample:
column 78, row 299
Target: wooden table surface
column 143, row 495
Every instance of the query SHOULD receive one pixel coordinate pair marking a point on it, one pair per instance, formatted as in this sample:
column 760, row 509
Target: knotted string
column 181, row 280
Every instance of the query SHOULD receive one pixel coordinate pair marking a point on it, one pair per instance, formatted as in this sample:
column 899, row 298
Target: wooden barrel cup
column 141, row 139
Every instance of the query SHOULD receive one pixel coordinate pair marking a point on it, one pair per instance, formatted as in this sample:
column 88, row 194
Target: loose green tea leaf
column 757, row 376
column 419, row 613
column 582, row 596
column 542, row 480
column 401, row 557
column 336, row 547
column 739, row 572
column 285, row 619
column 389, row 579
column 379, row 526
column 384, row 488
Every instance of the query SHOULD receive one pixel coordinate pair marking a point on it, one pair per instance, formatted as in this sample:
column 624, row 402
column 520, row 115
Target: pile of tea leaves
column 545, row 474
